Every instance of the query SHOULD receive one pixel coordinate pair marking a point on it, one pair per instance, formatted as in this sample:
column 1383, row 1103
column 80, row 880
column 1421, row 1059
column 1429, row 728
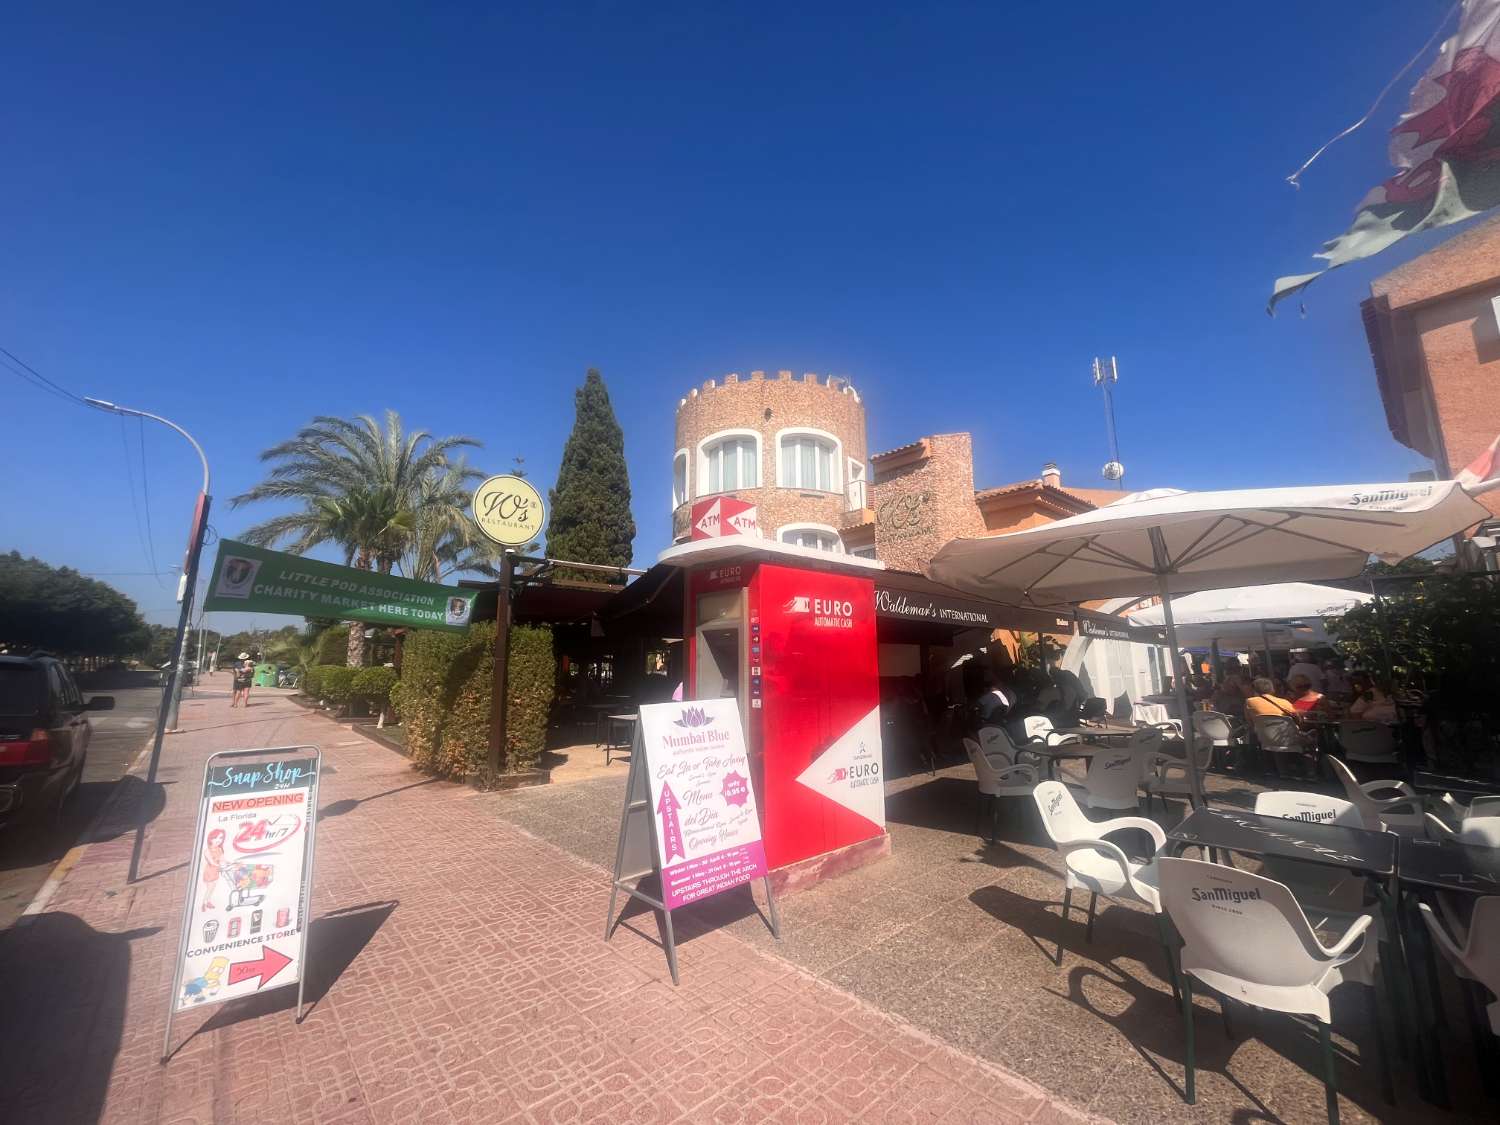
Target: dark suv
column 44, row 735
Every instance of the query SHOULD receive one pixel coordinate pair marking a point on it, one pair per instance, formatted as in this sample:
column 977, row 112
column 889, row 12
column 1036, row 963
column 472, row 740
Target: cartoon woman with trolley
column 213, row 859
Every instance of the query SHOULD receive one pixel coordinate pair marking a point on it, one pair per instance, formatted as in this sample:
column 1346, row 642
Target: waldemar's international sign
column 254, row 580
column 248, row 881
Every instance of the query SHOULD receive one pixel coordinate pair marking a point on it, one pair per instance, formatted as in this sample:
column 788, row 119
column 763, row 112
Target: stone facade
column 1434, row 332
column 768, row 407
column 923, row 496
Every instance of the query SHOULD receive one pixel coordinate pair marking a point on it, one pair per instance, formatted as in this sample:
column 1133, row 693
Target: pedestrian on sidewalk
column 244, row 676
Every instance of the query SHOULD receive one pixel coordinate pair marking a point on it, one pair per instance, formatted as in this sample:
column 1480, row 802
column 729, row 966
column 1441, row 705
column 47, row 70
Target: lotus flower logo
column 693, row 717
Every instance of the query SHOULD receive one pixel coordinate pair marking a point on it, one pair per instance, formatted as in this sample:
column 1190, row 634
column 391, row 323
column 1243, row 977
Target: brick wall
column 923, row 496
column 768, row 405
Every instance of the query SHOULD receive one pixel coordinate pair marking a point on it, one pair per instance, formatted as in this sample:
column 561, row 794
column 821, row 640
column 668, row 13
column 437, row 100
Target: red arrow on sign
column 269, row 964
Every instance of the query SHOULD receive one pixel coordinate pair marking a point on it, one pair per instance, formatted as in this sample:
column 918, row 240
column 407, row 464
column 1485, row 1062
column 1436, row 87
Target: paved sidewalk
column 457, row 973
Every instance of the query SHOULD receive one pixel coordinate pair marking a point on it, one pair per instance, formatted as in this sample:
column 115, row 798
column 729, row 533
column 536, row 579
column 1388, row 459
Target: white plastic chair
column 1477, row 831
column 997, row 779
column 1095, row 864
column 1483, row 806
column 996, row 742
column 1318, row 888
column 1215, row 728
column 1278, row 735
column 1164, row 776
column 1402, row 815
column 1474, row 953
column 1112, row 780
column 1245, row 937
column 1369, row 742
column 1039, row 727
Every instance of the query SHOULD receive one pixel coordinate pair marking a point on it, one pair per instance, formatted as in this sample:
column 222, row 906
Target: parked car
column 44, row 735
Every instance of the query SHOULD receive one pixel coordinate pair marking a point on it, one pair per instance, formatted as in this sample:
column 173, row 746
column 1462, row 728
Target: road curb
column 60, row 871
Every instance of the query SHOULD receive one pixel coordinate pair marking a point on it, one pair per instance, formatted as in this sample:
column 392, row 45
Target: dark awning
column 905, row 596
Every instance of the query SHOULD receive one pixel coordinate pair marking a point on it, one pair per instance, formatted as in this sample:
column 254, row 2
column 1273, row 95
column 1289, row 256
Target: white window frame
column 704, row 475
column 820, row 528
column 836, row 469
column 856, row 473
column 867, row 552
column 679, row 499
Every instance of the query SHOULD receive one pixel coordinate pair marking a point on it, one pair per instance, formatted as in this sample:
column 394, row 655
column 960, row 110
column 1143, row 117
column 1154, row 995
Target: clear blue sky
column 243, row 219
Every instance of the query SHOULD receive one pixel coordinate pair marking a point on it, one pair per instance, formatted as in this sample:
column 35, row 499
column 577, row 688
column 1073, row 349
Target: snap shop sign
column 509, row 510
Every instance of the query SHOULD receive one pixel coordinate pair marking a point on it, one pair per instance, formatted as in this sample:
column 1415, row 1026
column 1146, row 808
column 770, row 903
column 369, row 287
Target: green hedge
column 373, row 685
column 333, row 646
column 337, row 684
column 445, row 698
column 312, row 681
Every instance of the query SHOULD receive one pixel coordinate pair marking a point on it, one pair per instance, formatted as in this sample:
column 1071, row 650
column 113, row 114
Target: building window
column 680, row 479
column 817, row 536
column 808, row 460
column 863, row 552
column 858, row 493
column 728, row 462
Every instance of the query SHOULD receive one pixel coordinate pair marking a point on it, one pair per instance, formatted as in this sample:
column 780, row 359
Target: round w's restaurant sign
column 509, row 510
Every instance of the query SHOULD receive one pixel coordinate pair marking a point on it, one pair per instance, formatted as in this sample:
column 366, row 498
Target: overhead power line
column 28, row 374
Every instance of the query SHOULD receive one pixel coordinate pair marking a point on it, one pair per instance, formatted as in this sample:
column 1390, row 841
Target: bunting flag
column 1446, row 150
column 1483, row 468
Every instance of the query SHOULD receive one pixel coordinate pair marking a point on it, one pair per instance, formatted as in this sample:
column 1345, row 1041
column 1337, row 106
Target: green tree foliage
column 372, row 687
column 590, row 520
column 368, row 489
column 1441, row 633
column 445, row 698
column 58, row 609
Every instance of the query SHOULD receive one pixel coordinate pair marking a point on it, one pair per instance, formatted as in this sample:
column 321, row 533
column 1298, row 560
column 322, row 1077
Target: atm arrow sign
column 268, row 966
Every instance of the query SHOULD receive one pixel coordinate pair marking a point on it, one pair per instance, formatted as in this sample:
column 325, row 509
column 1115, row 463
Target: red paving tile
column 479, row 987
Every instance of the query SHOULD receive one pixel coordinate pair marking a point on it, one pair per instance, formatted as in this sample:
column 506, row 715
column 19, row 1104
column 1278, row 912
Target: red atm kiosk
column 791, row 635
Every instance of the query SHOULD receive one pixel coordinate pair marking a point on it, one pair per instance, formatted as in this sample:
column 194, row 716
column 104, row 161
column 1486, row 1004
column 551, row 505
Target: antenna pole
column 1106, row 374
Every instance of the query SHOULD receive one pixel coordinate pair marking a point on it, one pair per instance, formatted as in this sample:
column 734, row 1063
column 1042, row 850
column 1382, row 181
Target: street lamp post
column 166, row 717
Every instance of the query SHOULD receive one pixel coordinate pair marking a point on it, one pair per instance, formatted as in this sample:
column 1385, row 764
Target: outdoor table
column 628, row 721
column 1469, row 787
column 600, row 710
column 1427, row 866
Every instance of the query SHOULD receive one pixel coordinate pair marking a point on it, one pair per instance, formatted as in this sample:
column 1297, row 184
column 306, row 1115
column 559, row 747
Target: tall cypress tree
column 591, row 520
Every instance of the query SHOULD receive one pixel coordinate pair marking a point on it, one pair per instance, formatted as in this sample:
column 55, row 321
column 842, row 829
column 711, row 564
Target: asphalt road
column 28, row 852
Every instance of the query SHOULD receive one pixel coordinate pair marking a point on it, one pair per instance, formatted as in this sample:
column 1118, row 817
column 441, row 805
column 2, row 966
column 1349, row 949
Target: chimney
column 1051, row 475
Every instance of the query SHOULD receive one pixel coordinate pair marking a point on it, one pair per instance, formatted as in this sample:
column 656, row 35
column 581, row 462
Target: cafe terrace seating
column 997, row 777
column 1368, row 742
column 1097, row 865
column 1401, row 814
column 1246, row 938
column 1318, row 889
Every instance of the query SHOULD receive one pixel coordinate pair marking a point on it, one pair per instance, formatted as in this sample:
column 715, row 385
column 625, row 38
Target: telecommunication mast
column 1106, row 374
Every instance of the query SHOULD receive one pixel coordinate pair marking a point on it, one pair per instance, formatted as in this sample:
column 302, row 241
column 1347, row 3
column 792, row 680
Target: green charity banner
column 253, row 580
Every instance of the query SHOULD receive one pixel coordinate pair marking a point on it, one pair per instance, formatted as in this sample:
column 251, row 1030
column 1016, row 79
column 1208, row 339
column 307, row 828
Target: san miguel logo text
column 827, row 613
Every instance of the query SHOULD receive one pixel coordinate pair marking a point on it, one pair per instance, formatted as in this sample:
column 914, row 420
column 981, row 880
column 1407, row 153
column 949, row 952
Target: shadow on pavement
column 47, row 838
column 349, row 804
column 333, row 942
column 63, row 989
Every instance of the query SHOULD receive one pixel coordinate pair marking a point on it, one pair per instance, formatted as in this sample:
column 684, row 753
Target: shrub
column 393, row 701
column 373, row 685
column 445, row 698
column 337, row 684
column 312, row 682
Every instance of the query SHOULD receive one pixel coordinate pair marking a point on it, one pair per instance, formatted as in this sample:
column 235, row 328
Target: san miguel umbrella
column 1241, row 615
column 1168, row 542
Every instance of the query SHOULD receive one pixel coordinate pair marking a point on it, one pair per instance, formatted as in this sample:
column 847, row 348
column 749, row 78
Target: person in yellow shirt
column 1263, row 702
column 1293, row 747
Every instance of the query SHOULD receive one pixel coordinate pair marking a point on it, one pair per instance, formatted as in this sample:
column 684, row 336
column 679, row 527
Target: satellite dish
column 1113, row 470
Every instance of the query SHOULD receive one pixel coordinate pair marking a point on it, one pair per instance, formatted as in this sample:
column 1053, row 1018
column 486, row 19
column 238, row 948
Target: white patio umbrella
column 1241, row 616
column 1169, row 542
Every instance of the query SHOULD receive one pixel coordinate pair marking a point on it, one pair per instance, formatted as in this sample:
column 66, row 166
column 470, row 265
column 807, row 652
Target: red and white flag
column 1484, row 467
column 1446, row 150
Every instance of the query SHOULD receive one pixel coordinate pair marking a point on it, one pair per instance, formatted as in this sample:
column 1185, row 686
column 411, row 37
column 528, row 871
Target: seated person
column 1372, row 700
column 1229, row 696
column 994, row 704
column 1335, row 679
column 1304, row 697
column 1265, row 702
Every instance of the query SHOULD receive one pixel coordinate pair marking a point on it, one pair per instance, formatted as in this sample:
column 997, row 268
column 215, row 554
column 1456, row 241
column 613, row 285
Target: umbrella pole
column 1265, row 643
column 1180, row 682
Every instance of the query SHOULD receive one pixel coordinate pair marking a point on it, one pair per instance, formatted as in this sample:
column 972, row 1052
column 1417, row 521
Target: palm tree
column 363, row 487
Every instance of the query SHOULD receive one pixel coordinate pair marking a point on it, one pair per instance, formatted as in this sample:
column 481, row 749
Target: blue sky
column 244, row 218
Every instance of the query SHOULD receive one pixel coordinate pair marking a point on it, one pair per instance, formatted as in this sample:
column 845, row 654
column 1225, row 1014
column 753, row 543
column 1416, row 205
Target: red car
column 44, row 735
